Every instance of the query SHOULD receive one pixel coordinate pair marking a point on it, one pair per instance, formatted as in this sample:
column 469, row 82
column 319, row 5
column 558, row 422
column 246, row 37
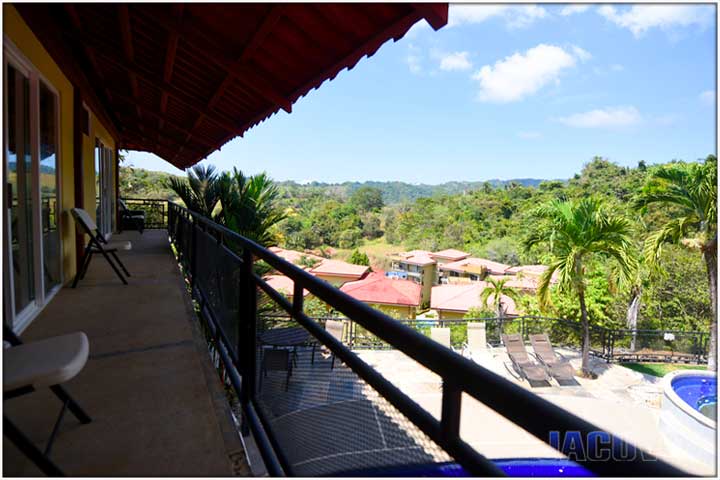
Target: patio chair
column 557, row 366
column 98, row 244
column 441, row 335
column 44, row 363
column 131, row 219
column 334, row 328
column 277, row 359
column 529, row 370
column 476, row 337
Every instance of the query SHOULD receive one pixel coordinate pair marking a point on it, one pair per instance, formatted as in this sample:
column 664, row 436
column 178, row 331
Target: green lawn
column 660, row 369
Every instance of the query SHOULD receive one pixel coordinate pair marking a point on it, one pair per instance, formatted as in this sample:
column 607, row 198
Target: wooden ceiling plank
column 170, row 55
column 239, row 69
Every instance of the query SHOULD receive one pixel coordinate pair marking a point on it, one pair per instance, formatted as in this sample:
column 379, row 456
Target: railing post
column 193, row 254
column 247, row 328
column 451, row 404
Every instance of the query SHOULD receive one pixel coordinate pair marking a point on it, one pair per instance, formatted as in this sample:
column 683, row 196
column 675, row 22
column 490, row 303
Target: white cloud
column 573, row 9
column 708, row 97
column 640, row 18
column 616, row 67
column 523, row 74
column 515, row 16
column 455, row 61
column 529, row 135
column 611, row 117
column 582, row 55
column 413, row 59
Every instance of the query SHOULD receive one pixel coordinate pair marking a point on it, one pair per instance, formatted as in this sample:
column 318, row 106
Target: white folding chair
column 98, row 244
column 28, row 367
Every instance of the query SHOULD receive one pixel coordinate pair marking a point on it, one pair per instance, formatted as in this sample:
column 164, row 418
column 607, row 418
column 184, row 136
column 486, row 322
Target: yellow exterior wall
column 18, row 32
column 450, row 315
column 396, row 311
column 334, row 280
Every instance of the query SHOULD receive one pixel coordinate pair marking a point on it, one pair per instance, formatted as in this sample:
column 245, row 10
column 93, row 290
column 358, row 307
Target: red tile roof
column 377, row 288
column 339, row 268
column 324, row 266
column 461, row 298
column 282, row 284
column 415, row 257
column 450, row 254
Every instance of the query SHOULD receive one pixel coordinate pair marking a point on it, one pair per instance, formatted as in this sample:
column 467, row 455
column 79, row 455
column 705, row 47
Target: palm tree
column 496, row 290
column 576, row 233
column 691, row 189
column 250, row 206
column 199, row 192
column 246, row 205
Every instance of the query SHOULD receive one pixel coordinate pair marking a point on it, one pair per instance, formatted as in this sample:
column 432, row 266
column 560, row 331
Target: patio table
column 288, row 337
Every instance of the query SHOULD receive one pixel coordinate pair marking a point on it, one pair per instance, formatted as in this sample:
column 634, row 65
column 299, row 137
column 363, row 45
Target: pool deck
column 620, row 401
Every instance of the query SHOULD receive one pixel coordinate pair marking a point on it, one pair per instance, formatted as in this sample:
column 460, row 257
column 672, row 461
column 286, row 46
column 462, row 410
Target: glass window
column 48, row 187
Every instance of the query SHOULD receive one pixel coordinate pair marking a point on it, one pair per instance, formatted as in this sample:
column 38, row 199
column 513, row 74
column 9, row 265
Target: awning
column 181, row 80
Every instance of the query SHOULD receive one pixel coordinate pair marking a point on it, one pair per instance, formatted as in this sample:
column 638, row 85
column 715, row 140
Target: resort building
column 454, row 301
column 449, row 255
column 419, row 266
column 335, row 272
column 470, row 269
column 397, row 298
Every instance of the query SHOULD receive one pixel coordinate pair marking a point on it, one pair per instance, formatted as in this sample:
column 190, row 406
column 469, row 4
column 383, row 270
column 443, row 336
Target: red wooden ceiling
column 181, row 80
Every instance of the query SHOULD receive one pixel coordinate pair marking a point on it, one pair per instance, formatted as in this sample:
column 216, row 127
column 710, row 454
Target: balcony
column 310, row 404
column 157, row 405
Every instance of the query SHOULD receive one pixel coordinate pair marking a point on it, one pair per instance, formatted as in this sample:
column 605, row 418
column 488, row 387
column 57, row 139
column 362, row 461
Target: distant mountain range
column 396, row 192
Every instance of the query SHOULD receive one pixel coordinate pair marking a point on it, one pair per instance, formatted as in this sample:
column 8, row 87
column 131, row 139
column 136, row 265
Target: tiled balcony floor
column 157, row 405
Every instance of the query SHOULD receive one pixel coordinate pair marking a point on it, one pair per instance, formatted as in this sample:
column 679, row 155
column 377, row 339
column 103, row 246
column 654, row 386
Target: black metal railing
column 306, row 405
column 156, row 211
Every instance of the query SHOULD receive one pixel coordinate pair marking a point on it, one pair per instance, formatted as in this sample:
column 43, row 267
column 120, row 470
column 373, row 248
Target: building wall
column 18, row 32
column 429, row 278
column 450, row 315
column 396, row 311
column 335, row 281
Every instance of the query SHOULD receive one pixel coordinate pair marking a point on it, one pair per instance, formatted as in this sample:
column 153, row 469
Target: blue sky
column 505, row 91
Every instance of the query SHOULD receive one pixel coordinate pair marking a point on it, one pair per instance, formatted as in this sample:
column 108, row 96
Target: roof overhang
column 181, row 80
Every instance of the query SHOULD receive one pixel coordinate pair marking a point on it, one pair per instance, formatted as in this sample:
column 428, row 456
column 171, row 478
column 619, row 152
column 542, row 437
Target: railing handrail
column 532, row 413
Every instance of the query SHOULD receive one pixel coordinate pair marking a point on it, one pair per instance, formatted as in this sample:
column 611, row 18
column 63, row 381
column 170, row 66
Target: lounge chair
column 557, row 366
column 441, row 335
column 529, row 370
column 335, row 328
column 97, row 244
column 131, row 219
column 45, row 363
column 476, row 338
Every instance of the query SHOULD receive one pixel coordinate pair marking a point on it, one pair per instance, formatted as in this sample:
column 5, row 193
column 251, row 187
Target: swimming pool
column 699, row 392
column 688, row 418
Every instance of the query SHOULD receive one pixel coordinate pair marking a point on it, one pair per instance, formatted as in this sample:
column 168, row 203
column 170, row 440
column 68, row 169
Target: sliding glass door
column 105, row 188
column 32, row 244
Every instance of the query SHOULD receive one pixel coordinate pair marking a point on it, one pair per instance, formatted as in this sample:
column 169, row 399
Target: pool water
column 698, row 392
column 516, row 467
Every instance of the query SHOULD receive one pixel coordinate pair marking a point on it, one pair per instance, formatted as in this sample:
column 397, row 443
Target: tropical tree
column 250, row 206
column 576, row 232
column 690, row 190
column 199, row 192
column 246, row 205
column 495, row 292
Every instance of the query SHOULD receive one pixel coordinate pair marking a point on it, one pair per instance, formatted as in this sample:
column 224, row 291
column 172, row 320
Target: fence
column 313, row 406
column 156, row 212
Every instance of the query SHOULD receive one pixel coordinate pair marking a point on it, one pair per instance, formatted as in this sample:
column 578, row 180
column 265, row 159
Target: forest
column 493, row 220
